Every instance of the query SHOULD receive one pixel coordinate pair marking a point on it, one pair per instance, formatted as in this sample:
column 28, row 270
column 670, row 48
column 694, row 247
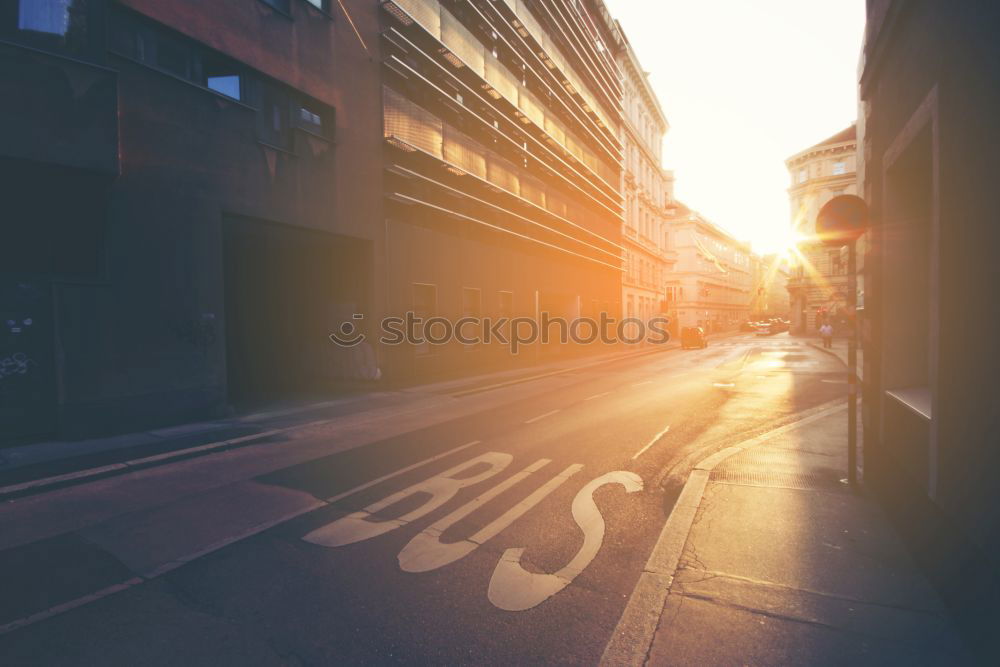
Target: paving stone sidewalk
column 785, row 564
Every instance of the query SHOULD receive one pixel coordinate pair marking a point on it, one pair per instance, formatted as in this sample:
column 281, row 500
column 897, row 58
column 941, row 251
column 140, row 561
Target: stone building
column 648, row 190
column 818, row 282
column 712, row 281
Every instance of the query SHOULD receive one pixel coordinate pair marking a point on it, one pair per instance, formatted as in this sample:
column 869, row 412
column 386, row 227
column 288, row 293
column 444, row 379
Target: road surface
column 513, row 533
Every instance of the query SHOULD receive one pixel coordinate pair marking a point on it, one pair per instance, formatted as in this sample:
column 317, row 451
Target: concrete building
column 238, row 179
column 712, row 282
column 648, row 191
column 929, row 137
column 818, row 282
column 189, row 189
column 502, row 168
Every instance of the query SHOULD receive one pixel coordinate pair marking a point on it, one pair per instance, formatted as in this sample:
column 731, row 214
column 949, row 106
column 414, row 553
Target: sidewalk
column 784, row 564
column 838, row 350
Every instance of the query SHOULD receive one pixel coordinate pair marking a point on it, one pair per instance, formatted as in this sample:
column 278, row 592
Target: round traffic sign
column 842, row 220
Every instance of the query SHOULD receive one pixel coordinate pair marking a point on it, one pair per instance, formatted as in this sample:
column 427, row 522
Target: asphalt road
column 518, row 543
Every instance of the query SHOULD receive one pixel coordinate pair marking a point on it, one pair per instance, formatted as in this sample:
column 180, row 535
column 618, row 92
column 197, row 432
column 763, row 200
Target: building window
column 272, row 116
column 173, row 56
column 505, row 305
column 48, row 16
column 221, row 75
column 839, row 168
column 176, row 55
column 314, row 118
column 472, row 302
column 424, row 307
column 803, row 175
column 280, row 5
column 836, row 263
column 320, row 4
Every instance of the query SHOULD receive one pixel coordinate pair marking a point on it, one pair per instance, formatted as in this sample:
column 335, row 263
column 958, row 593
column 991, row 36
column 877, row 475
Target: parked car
column 693, row 337
column 747, row 325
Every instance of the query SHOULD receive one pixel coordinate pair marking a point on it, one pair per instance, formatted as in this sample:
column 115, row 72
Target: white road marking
column 590, row 398
column 426, row 552
column 651, row 443
column 440, row 488
column 379, row 480
column 512, row 588
column 173, row 565
column 639, row 384
column 541, row 417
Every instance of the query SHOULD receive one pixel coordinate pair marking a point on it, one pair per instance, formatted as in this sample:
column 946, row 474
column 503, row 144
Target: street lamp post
column 840, row 222
column 852, row 363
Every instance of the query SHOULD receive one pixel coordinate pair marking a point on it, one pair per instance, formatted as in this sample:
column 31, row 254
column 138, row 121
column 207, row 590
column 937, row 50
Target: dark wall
column 145, row 343
column 954, row 528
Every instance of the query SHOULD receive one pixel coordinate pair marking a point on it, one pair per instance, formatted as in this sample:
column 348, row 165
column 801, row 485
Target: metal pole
column 852, row 365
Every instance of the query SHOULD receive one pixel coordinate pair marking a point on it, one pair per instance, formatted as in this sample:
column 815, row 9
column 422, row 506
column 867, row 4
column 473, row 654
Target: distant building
column 712, row 281
column 648, row 190
column 769, row 297
column 818, row 282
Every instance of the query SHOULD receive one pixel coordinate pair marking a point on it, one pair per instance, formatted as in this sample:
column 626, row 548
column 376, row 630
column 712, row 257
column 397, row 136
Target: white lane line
column 651, row 443
column 383, row 478
column 67, row 606
column 639, row 384
column 633, row 635
column 541, row 417
column 603, row 393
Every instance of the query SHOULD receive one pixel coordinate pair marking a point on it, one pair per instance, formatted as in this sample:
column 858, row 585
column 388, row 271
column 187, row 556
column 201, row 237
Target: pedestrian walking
column 826, row 331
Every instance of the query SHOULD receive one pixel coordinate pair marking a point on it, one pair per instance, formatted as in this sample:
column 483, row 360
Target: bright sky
column 746, row 84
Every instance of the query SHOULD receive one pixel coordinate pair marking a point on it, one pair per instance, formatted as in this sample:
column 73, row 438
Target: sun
column 782, row 241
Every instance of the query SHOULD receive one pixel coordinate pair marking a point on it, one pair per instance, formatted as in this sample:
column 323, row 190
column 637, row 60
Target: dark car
column 747, row 325
column 693, row 337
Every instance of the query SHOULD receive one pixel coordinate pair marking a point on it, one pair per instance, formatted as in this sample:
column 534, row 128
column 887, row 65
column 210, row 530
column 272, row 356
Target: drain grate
column 781, row 480
column 780, row 468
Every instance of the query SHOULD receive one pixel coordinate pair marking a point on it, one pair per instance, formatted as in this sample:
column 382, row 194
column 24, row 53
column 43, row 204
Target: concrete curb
column 101, row 472
column 633, row 635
